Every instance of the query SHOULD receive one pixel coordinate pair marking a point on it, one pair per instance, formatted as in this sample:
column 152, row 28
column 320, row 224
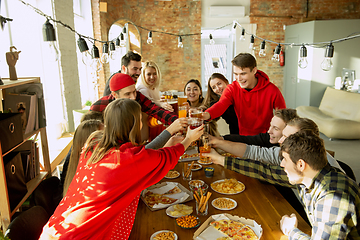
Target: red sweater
column 254, row 108
column 101, row 192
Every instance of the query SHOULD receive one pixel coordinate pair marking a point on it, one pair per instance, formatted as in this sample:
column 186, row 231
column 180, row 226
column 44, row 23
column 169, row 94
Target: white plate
column 152, row 236
column 171, row 208
column 226, row 193
column 204, row 163
column 178, row 174
column 235, row 204
column 195, row 164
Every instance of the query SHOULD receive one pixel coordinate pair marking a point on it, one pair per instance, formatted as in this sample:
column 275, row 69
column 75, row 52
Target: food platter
column 228, row 188
column 172, row 209
column 172, row 174
column 225, row 201
column 154, row 235
column 196, row 167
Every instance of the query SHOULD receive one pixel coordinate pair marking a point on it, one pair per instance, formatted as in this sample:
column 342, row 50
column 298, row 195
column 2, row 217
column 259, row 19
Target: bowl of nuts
column 188, row 222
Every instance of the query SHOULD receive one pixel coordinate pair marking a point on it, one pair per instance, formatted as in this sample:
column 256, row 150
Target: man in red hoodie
column 253, row 96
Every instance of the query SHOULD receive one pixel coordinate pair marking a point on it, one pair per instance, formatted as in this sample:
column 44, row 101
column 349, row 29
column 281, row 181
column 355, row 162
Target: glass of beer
column 182, row 111
column 204, row 147
column 174, row 103
column 195, row 117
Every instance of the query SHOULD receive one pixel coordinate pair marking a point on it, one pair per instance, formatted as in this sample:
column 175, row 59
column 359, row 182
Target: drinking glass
column 204, row 147
column 186, row 172
column 195, row 117
column 202, row 213
column 182, row 109
column 174, row 103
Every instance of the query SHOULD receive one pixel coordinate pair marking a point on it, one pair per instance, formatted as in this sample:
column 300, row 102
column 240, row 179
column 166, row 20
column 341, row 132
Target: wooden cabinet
column 5, row 211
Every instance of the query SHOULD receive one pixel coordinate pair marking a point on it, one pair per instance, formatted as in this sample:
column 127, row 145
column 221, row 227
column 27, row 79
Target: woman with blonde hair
column 216, row 86
column 114, row 168
column 149, row 82
column 148, row 85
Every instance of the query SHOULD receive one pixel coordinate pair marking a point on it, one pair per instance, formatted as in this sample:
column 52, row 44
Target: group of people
column 112, row 162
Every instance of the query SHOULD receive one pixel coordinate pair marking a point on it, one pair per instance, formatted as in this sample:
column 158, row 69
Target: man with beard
column 123, row 86
column 130, row 65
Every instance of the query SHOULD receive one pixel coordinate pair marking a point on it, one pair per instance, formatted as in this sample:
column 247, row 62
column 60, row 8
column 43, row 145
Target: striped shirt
column 332, row 202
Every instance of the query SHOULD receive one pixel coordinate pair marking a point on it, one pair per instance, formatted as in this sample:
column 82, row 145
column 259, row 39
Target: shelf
column 21, row 81
column 31, row 185
column 26, row 137
column 5, row 212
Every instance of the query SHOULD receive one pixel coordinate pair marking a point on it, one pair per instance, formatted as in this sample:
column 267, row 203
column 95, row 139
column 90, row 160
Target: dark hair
column 211, row 96
column 244, row 60
column 93, row 115
column 308, row 147
column 305, row 125
column 130, row 56
column 201, row 99
column 286, row 114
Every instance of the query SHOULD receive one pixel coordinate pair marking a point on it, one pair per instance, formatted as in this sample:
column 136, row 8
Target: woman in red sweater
column 113, row 169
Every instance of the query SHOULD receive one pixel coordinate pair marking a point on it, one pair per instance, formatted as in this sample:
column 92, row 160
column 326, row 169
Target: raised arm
column 234, row 148
column 155, row 111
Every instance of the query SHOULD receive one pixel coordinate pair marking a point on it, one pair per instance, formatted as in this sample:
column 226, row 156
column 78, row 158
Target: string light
column 149, row 40
column 112, row 51
column 84, row 49
column 85, row 54
column 326, row 64
column 303, row 57
column 105, row 53
column 117, row 43
column 252, row 40
column 242, row 37
column 180, row 43
column 277, row 51
column 122, row 40
column 96, row 64
column 262, row 52
column 212, row 41
column 50, row 37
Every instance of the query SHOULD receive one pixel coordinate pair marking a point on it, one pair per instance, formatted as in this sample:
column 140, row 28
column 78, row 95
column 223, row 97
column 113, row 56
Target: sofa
column 338, row 115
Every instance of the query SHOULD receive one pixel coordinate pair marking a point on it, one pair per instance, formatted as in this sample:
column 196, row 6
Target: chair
column 349, row 172
column 48, row 194
column 28, row 225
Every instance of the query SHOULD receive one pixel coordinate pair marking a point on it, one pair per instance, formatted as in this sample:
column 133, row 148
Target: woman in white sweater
column 148, row 84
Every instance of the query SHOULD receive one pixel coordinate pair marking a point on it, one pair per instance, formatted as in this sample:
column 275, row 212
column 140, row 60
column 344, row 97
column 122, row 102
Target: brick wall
column 271, row 15
column 178, row 17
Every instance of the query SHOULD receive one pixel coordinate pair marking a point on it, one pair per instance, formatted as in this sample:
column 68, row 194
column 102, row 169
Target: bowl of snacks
column 188, row 222
column 179, row 210
column 198, row 188
column 196, row 183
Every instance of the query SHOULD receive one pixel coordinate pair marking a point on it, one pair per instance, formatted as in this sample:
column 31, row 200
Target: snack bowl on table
column 155, row 235
column 196, row 183
column 188, row 222
column 204, row 188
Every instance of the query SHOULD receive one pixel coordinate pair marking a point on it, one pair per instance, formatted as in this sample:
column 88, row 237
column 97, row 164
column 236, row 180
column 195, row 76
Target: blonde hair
column 149, row 64
column 82, row 133
column 122, row 124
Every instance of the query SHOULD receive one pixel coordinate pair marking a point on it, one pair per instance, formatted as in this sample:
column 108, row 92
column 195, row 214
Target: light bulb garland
column 212, row 41
column 120, row 40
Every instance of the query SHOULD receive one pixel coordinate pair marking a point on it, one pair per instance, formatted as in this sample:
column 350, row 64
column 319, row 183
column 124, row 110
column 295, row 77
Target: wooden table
column 260, row 202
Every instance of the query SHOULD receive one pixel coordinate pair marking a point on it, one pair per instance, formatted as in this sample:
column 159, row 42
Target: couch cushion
column 330, row 126
column 341, row 104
